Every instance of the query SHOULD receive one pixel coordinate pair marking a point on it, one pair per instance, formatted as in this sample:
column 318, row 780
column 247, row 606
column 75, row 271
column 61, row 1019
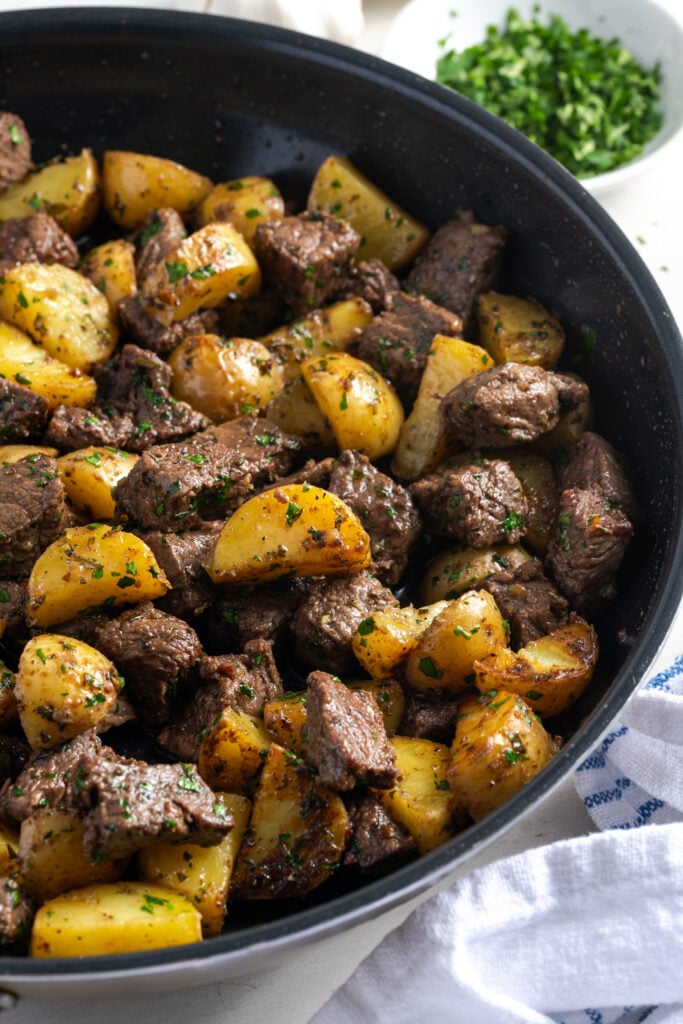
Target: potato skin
column 232, row 753
column 21, row 359
column 68, row 189
column 453, row 571
column 245, row 202
column 134, row 184
column 519, row 330
column 90, row 475
column 384, row 641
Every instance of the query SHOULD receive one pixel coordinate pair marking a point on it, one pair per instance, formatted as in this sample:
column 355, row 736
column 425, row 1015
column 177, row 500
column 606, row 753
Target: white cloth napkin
column 583, row 931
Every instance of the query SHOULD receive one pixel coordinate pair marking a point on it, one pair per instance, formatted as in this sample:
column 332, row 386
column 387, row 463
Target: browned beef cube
column 17, row 910
column 35, row 239
column 347, row 741
column 23, row 413
column 430, row 716
column 161, row 231
column 182, row 557
column 460, row 261
column 13, row 597
column 396, row 342
column 327, row 619
column 528, row 601
column 15, row 149
column 155, row 336
column 385, row 509
column 72, row 427
column 370, row 280
column 479, row 504
column 267, row 450
column 155, row 652
column 305, row 257
column 33, row 512
column 587, row 548
column 263, row 612
column 377, row 842
column 594, row 465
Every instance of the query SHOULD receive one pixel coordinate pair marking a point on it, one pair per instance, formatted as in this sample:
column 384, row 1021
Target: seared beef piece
column 14, row 754
column 15, row 149
column 13, row 596
column 161, row 231
column 132, row 802
column 155, row 653
column 377, row 842
column 23, row 413
column 508, row 405
column 327, row 619
column 385, row 509
column 120, row 712
column 460, row 261
column 479, row 504
column 244, row 681
column 346, row 738
column 35, row 239
column 396, row 342
column 205, row 478
column 182, row 556
column 33, row 512
column 430, row 716
column 594, row 465
column 72, row 427
column 17, row 911
column 155, row 336
column 370, row 280
column 305, row 257
column 528, row 601
column 587, row 548
column 250, row 318
column 263, row 612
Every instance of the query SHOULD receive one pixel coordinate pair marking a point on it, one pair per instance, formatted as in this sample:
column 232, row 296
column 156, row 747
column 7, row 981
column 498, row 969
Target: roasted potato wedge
column 15, row 452
column 21, row 359
column 363, row 408
column 384, row 641
column 8, row 700
column 296, row 411
column 422, row 443
column 134, row 184
column 224, row 378
column 111, row 268
column 296, row 833
column 117, row 917
column 68, row 189
column 319, row 333
column 90, row 476
column 61, row 310
column 499, row 745
column 456, row 570
column 518, row 330
column 390, row 698
column 245, row 202
column 63, row 687
column 386, row 230
column 88, row 567
column 285, row 721
column 549, row 673
column 540, row 490
column 292, row 529
column 232, row 754
column 443, row 657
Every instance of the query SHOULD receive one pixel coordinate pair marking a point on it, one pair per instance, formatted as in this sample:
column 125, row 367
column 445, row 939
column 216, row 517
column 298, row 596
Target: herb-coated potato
column 549, row 673
column 63, row 687
column 200, row 873
column 67, row 189
column 538, row 481
column 390, row 699
column 10, row 453
column 285, row 720
column 296, row 411
column 111, row 268
column 317, row 334
column 383, row 642
column 456, row 570
column 466, row 630
column 116, row 917
column 386, row 230
column 61, row 310
column 422, row 800
column 8, row 700
column 134, row 184
column 518, row 330
column 499, row 745
column 224, row 378
column 9, row 847
column 363, row 407
column 422, row 443
column 208, row 267
column 88, row 567
column 21, row 359
column 232, row 753
column 90, row 476
column 296, row 834
column 245, row 202
column 296, row 528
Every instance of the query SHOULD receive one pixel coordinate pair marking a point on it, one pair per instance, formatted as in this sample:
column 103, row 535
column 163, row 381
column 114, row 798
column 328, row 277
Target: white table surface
column 650, row 212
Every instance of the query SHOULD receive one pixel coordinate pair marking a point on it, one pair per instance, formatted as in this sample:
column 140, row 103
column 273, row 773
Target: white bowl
column 651, row 33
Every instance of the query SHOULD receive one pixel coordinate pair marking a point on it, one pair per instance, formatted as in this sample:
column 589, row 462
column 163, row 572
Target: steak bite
column 593, row 464
column 370, row 280
column 263, row 612
column 346, row 738
column 460, row 261
column 430, row 716
column 528, row 601
column 15, row 149
column 305, row 257
column 161, row 231
column 377, row 841
column 327, row 619
column 17, row 910
column 23, row 413
column 137, row 324
column 182, row 557
column 508, row 405
column 33, row 511
column 479, row 504
column 37, row 238
column 397, row 341
column 13, row 598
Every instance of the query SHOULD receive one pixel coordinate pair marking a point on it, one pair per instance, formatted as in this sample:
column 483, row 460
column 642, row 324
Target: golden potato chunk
column 111, row 268
column 538, row 481
column 285, row 720
column 298, row 529
column 232, row 753
column 23, row 360
column 68, row 189
column 317, row 334
column 384, row 641
column 245, row 202
column 61, row 310
column 88, row 567
column 90, row 475
column 296, row 411
column 134, row 184
column 456, row 570
column 118, row 917
column 517, row 330
column 10, row 453
column 390, row 699
column 63, row 687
